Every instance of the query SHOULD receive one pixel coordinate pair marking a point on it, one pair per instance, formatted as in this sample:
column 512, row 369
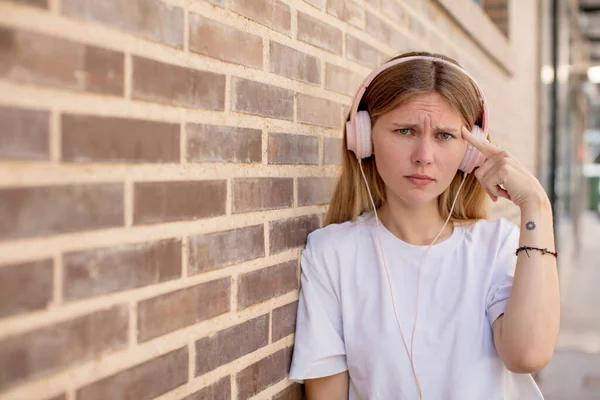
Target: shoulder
column 328, row 247
column 492, row 230
column 330, row 240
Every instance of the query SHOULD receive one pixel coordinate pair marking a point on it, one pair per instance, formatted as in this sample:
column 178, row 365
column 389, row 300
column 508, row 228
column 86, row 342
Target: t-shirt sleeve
column 319, row 348
column 504, row 272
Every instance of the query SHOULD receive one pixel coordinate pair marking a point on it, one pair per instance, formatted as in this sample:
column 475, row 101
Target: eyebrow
column 414, row 126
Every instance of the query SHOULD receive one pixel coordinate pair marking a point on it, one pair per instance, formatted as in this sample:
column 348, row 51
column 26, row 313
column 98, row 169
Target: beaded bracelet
column 544, row 251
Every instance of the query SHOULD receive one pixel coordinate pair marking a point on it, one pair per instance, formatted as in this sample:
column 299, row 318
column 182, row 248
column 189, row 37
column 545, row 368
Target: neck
column 415, row 225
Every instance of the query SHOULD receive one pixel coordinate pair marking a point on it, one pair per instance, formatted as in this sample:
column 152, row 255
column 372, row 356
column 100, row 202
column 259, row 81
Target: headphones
column 358, row 129
column 359, row 141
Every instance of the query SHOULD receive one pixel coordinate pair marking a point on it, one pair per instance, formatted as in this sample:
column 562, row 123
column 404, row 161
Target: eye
column 445, row 135
column 403, row 131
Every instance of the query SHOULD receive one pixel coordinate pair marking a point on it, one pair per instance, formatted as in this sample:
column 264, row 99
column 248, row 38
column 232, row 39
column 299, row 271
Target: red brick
column 393, row 10
column 32, row 3
column 87, row 138
column 290, row 233
column 175, row 310
column 264, row 373
column 341, row 80
column 224, row 42
column 347, row 11
column 213, row 143
column 112, row 269
column 293, row 149
column 272, row 13
column 221, row 249
column 315, row 190
column 220, row 390
column 293, row 64
column 33, row 354
column 317, row 111
column 418, row 30
column 387, row 34
column 177, row 86
column 25, row 287
column 141, row 382
column 361, row 52
column 149, row 19
column 255, row 194
column 156, row 202
column 257, row 286
column 332, row 152
column 51, row 210
column 319, row 34
column 230, row 344
column 346, row 112
column 261, row 99
column 44, row 60
column 292, row 392
column 284, row 321
column 24, row 134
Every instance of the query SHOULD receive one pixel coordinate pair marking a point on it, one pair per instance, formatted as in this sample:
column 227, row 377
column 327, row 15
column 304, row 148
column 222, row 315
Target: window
column 497, row 10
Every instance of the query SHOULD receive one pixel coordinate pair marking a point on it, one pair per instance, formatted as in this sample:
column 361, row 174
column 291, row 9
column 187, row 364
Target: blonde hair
column 391, row 88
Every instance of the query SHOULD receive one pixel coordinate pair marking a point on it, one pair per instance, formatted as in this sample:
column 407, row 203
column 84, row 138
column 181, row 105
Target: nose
column 422, row 152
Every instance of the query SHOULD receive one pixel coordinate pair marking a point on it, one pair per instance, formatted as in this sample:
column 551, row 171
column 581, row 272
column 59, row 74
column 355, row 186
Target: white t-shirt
column 345, row 319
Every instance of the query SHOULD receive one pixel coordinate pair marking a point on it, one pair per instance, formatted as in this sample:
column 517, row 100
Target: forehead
column 432, row 104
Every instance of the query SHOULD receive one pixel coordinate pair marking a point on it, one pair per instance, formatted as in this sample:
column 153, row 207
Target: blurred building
column 588, row 24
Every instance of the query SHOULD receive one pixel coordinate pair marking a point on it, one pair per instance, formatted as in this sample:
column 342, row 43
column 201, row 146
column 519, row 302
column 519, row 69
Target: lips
column 420, row 180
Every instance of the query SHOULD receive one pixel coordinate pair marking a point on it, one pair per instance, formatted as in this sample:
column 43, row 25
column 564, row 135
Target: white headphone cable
column 423, row 259
column 410, row 354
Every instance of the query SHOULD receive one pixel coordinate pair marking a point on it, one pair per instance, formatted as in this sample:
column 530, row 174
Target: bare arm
column 334, row 387
column 526, row 334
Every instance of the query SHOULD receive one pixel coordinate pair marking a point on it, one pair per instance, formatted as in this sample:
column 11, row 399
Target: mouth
column 420, row 180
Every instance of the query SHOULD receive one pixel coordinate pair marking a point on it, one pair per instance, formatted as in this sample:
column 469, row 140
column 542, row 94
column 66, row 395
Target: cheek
column 452, row 154
column 388, row 148
column 389, row 155
column 451, row 160
column 449, row 163
column 389, row 161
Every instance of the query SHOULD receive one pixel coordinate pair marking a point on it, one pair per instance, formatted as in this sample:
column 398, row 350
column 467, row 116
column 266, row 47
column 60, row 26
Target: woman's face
column 418, row 148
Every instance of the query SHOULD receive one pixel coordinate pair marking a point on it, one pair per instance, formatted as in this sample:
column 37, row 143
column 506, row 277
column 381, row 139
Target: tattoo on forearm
column 530, row 225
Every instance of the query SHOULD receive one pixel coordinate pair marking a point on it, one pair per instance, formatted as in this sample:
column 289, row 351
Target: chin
column 416, row 203
column 416, row 198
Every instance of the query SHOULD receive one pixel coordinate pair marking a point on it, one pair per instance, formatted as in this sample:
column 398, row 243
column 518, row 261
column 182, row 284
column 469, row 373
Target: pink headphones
column 358, row 129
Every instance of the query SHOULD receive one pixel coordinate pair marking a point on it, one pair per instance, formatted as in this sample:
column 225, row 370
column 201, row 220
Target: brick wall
column 161, row 163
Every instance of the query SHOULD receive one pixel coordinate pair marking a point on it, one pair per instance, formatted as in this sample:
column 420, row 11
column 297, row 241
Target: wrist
column 538, row 202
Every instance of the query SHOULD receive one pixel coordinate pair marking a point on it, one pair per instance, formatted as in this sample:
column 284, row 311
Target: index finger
column 483, row 146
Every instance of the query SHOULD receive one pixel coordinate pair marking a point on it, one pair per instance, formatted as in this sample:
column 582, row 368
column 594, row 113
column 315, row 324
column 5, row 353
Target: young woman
column 409, row 292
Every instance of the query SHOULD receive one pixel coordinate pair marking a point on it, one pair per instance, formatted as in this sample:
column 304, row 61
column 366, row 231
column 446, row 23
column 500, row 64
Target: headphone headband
column 363, row 87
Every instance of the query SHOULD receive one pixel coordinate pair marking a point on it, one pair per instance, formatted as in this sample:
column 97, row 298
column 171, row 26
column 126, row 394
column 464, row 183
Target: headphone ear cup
column 473, row 158
column 363, row 135
column 351, row 138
